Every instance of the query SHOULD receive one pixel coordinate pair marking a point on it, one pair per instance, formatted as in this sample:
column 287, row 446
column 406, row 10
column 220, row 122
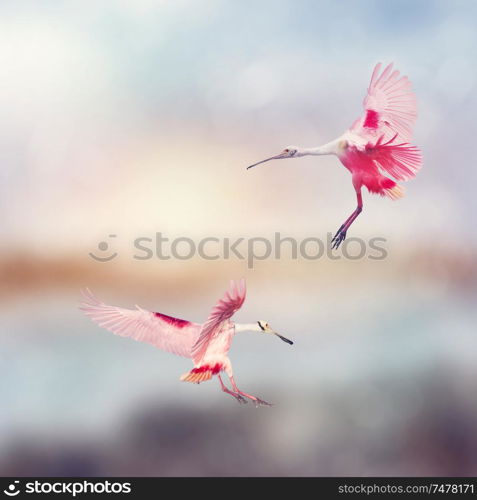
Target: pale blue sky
column 88, row 85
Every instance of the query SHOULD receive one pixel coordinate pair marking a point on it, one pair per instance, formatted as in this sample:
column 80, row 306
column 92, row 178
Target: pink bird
column 207, row 344
column 377, row 143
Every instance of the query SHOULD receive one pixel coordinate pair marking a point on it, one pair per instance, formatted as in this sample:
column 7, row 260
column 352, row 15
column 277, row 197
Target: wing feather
column 390, row 106
column 165, row 332
column 401, row 161
column 225, row 308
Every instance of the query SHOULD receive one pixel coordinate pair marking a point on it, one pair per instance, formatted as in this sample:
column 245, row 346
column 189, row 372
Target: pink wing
column 165, row 332
column 390, row 107
column 402, row 161
column 224, row 309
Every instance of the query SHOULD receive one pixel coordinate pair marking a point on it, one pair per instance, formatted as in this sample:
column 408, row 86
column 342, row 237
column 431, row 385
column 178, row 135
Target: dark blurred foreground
column 437, row 439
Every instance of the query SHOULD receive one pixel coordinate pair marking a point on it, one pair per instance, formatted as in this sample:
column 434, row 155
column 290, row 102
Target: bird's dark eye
column 287, row 150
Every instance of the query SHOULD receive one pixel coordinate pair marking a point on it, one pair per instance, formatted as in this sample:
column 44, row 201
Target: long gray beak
column 288, row 341
column 276, row 157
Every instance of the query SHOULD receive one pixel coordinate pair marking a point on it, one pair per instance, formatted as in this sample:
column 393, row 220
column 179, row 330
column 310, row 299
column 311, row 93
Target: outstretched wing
column 224, row 309
column 390, row 107
column 165, row 332
column 401, row 161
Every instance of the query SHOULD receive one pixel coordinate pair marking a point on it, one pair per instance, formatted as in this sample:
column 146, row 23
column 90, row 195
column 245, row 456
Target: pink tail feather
column 384, row 186
column 395, row 192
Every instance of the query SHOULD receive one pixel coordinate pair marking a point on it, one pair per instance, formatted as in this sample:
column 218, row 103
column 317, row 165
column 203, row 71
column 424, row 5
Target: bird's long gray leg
column 257, row 401
column 340, row 235
column 237, row 396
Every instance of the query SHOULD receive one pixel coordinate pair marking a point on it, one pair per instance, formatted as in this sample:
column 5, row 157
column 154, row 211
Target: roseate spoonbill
column 207, row 344
column 376, row 143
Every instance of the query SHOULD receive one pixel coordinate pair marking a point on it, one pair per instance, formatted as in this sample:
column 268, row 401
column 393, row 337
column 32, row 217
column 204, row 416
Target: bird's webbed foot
column 260, row 402
column 338, row 238
column 256, row 401
column 239, row 398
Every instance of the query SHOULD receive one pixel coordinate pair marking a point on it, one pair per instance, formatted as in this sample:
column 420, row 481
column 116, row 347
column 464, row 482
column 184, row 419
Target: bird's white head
column 288, row 152
column 266, row 328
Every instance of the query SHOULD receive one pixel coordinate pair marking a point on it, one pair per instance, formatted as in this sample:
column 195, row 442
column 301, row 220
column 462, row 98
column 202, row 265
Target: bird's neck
column 330, row 148
column 247, row 327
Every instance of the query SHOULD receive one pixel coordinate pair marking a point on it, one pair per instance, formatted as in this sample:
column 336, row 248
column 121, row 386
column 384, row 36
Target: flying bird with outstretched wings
column 377, row 145
column 206, row 344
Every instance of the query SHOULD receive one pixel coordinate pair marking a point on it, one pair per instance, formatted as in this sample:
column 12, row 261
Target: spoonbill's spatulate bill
column 377, row 143
column 206, row 344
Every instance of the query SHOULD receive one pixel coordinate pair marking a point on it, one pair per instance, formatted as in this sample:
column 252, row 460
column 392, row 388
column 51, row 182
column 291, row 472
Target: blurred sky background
column 129, row 117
